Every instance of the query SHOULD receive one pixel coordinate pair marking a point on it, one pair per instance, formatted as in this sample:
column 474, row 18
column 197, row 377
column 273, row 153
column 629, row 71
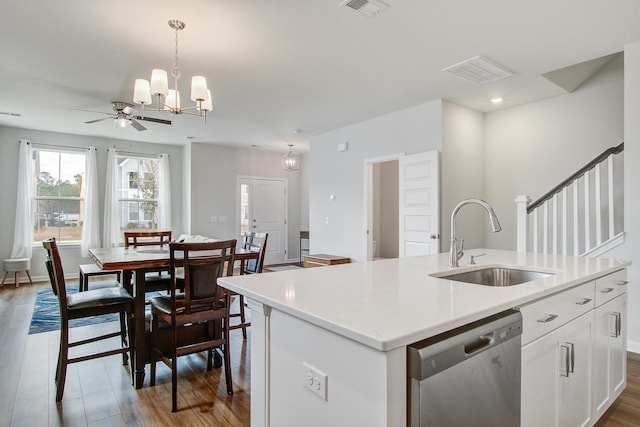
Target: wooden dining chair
column 256, row 242
column 203, row 301
column 155, row 281
column 80, row 305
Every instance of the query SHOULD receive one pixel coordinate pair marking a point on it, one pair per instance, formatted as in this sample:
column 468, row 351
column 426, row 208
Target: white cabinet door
column 609, row 357
column 575, row 351
column 540, row 397
column 556, row 376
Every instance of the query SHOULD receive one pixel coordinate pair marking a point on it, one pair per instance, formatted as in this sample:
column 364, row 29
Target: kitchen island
column 349, row 325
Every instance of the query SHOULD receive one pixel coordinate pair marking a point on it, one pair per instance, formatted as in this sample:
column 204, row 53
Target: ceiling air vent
column 478, row 70
column 365, row 7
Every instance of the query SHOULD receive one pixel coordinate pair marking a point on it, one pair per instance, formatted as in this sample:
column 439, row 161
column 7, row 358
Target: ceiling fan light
column 198, row 88
column 122, row 122
column 207, row 104
column 159, row 82
column 172, row 102
column 141, row 92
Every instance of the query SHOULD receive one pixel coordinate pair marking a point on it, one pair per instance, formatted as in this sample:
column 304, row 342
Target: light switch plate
column 315, row 381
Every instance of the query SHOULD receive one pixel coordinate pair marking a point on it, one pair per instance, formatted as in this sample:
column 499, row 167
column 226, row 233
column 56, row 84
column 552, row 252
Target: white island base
column 329, row 344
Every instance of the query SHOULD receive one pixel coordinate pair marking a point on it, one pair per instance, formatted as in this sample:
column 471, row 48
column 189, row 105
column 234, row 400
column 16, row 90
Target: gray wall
column 531, row 148
column 213, row 174
column 9, row 148
column 408, row 131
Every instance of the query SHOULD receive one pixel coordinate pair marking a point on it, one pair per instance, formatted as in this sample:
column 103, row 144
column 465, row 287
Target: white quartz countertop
column 390, row 303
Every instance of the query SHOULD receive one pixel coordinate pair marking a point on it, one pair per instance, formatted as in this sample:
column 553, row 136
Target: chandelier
column 291, row 160
column 169, row 99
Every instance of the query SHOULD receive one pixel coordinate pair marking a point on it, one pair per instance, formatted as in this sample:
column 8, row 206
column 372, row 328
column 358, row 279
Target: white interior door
column 266, row 213
column 419, row 201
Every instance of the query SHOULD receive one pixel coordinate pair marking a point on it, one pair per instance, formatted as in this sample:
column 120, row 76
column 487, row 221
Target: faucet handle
column 460, row 251
column 472, row 261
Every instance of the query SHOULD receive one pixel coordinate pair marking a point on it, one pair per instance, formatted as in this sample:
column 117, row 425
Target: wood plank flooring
column 99, row 392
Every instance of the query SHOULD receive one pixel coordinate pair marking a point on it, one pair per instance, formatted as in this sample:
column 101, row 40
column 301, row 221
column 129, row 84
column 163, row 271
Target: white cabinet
column 574, row 353
column 556, row 376
column 610, row 356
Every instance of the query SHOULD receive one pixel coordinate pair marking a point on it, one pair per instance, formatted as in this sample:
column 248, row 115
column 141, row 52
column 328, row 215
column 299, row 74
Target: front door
column 263, row 209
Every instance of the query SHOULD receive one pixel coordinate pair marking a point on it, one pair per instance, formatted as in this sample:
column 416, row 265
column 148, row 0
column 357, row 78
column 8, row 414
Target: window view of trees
column 138, row 195
column 58, row 194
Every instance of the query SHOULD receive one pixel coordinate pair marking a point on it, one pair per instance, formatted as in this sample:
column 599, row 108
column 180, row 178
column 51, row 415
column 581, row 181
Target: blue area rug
column 46, row 313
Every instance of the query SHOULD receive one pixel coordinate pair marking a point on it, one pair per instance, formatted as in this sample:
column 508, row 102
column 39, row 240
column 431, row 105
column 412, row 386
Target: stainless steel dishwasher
column 469, row 376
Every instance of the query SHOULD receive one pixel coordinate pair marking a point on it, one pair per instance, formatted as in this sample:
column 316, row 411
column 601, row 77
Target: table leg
column 141, row 341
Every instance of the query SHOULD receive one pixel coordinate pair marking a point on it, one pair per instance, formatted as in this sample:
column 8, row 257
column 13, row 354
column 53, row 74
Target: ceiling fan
column 124, row 115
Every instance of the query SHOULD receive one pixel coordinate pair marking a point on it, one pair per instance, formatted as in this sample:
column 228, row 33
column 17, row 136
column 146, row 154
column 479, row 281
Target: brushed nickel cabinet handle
column 606, row 290
column 583, row 301
column 548, row 318
column 622, row 283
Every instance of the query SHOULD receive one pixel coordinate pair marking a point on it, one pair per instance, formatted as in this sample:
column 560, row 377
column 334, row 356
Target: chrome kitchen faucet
column 454, row 253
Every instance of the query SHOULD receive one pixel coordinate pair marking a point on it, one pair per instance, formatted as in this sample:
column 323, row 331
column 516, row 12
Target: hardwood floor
column 99, row 392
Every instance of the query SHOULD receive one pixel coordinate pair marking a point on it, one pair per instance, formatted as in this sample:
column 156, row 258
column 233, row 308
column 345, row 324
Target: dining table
column 134, row 264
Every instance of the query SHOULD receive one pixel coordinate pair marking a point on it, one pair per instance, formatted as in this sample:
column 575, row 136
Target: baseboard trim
column 633, row 346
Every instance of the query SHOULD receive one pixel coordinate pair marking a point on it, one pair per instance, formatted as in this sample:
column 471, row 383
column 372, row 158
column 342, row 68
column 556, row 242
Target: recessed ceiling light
column 496, row 100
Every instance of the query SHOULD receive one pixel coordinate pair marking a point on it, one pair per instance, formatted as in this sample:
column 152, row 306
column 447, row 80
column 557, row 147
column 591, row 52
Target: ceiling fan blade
column 92, row 111
column 136, row 125
column 154, row 120
column 99, row 120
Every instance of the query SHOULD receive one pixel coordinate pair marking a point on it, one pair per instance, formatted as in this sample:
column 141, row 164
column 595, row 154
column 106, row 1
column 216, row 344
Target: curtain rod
column 39, row 144
column 131, row 153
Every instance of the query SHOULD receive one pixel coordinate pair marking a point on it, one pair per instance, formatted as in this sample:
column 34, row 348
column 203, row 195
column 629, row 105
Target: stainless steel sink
column 496, row 276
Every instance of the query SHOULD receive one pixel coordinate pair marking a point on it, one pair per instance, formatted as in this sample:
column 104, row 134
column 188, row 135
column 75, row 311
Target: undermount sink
column 495, row 276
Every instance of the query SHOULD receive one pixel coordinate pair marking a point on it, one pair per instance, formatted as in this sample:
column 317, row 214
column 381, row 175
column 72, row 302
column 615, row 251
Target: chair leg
column 174, row 372
column 17, row 279
column 62, row 361
column 4, row 278
column 152, row 351
column 132, row 343
column 227, row 358
column 29, row 276
column 210, row 330
column 123, row 336
column 242, row 318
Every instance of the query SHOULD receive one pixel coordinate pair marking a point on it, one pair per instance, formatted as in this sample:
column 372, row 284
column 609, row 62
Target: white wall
column 531, row 148
column 213, row 173
column 9, row 138
column 462, row 172
column 631, row 248
column 411, row 131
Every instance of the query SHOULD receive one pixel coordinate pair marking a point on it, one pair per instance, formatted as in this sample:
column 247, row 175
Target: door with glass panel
column 263, row 209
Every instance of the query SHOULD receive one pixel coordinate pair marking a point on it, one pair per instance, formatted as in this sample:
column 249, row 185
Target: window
column 58, row 194
column 138, row 193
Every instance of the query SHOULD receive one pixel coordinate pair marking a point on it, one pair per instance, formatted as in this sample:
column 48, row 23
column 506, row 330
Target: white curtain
column 23, row 231
column 111, row 232
column 91, row 221
column 164, row 194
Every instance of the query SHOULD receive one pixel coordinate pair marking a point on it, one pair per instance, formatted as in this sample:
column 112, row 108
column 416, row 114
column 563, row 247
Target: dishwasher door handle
column 476, row 345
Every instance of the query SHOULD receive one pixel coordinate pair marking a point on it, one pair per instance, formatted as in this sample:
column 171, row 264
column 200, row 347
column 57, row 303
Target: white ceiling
column 279, row 65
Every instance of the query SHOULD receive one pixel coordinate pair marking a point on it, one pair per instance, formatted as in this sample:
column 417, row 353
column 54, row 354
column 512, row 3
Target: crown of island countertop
column 390, row 303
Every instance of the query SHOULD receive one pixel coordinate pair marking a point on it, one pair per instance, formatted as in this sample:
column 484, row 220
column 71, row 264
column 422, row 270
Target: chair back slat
column 146, row 238
column 203, row 263
column 256, row 242
column 56, row 273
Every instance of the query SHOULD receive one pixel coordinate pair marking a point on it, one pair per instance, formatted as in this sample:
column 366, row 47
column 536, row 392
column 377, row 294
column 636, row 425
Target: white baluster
column 587, row 214
column 598, row 207
column 521, row 214
column 564, row 220
column 535, row 230
column 611, row 205
column 545, row 227
column 555, row 224
column 576, row 240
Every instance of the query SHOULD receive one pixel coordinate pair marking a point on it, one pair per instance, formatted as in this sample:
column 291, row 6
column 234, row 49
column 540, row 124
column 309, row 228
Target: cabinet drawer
column 611, row 286
column 545, row 315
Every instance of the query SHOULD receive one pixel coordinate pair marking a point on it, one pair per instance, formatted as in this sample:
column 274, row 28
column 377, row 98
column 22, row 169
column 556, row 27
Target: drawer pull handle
column 583, row 301
column 548, row 318
column 622, row 282
column 606, row 290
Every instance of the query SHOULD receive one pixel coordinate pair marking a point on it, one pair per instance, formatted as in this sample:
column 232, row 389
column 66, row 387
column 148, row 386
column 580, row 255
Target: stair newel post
column 521, row 212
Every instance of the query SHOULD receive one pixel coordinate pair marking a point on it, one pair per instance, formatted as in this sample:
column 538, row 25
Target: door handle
column 566, row 359
column 434, row 236
column 617, row 324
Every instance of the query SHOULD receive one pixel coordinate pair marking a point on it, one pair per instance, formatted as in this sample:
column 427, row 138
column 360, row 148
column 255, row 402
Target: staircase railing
column 581, row 216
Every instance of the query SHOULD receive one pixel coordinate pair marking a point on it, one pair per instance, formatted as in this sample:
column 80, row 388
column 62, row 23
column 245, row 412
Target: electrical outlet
column 315, row 381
